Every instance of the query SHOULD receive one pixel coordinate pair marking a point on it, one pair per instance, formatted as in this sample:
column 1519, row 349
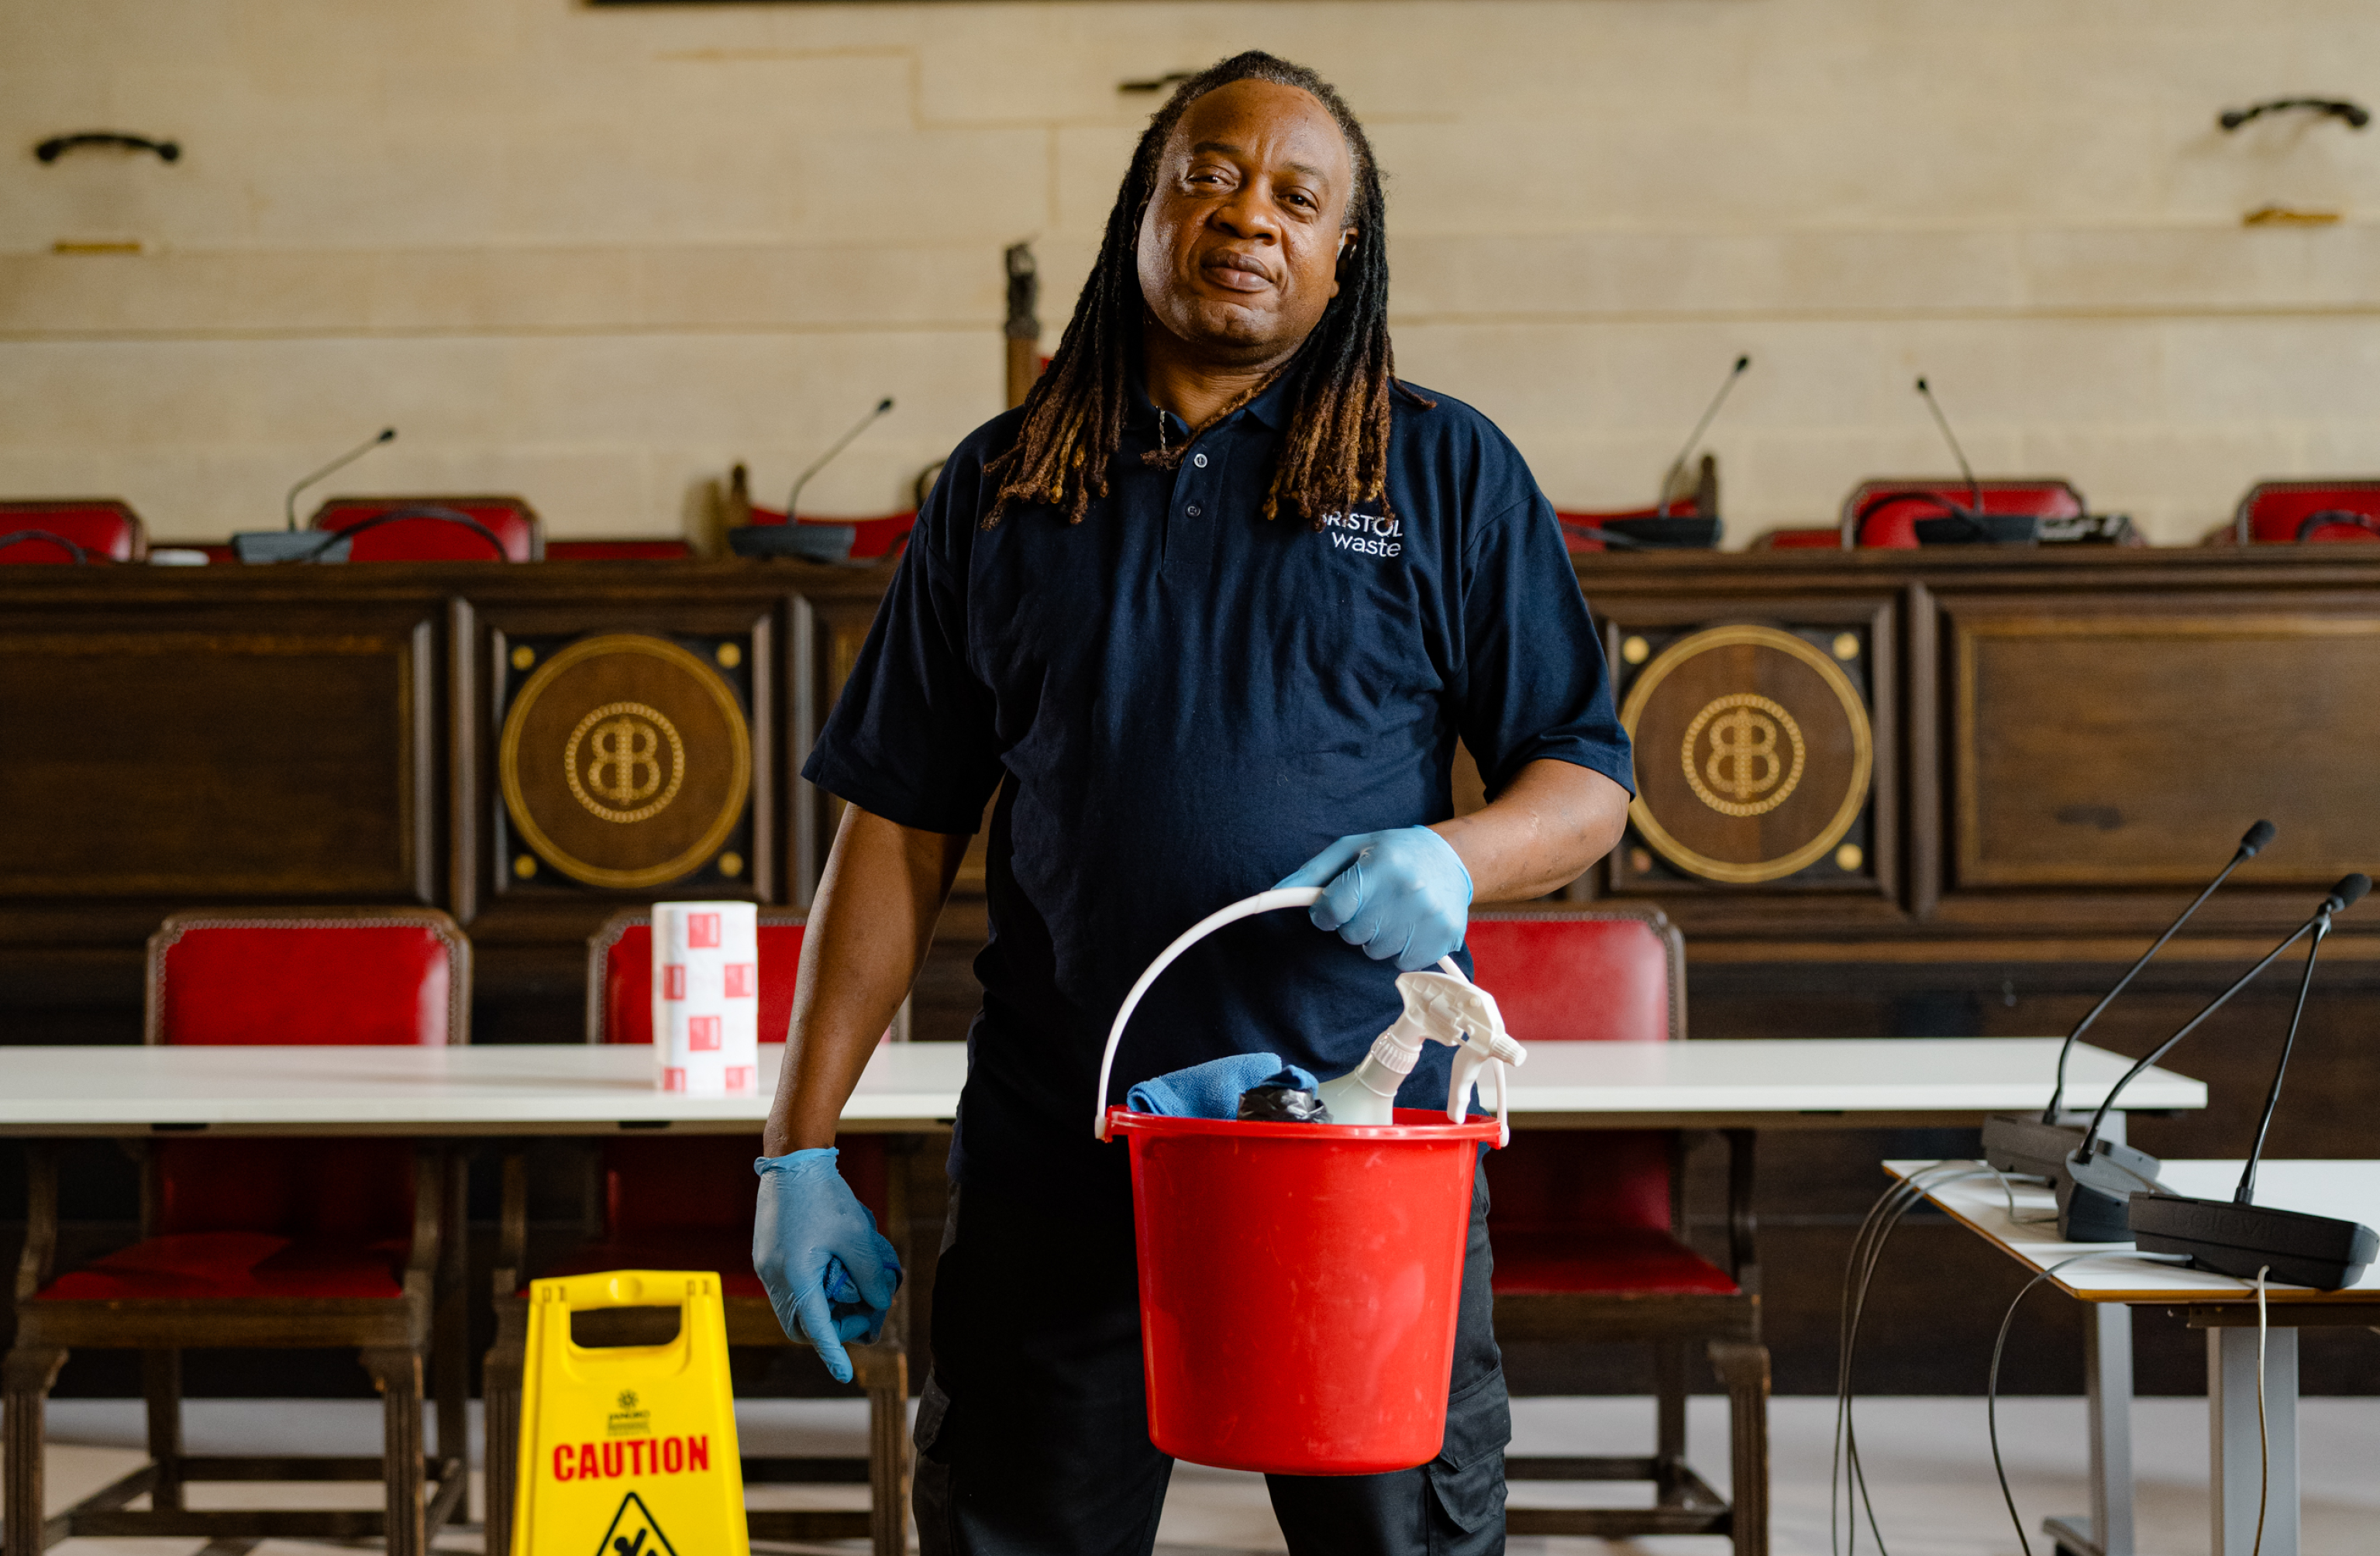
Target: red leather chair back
column 394, row 977
column 1892, row 523
column 1582, row 977
column 513, row 521
column 1601, row 977
column 2285, row 510
column 620, row 975
column 108, row 530
column 389, row 977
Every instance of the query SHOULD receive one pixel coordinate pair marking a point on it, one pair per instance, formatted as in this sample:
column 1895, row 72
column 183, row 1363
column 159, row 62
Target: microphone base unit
column 2091, row 529
column 801, row 541
column 2093, row 1197
column 1979, row 529
column 2023, row 1146
column 288, row 545
column 2237, row 1240
column 1668, row 532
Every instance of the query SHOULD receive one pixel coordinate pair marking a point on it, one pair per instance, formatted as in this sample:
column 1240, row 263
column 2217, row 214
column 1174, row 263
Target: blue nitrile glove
column 1402, row 894
column 830, row 1274
column 1212, row 1089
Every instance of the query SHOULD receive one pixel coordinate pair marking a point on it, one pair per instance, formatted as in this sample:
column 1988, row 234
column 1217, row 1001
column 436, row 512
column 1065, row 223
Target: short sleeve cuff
column 945, row 813
column 1576, row 750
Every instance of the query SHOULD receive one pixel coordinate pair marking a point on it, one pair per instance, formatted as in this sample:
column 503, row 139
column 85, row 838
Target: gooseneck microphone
column 2020, row 1144
column 1974, row 487
column 2094, row 1188
column 289, row 503
column 843, row 442
column 1678, row 465
column 1951, row 522
column 2239, row 1237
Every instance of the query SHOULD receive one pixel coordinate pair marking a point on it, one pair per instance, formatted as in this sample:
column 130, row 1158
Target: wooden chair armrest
column 512, row 1225
column 1742, row 1222
column 36, row 1262
column 429, row 1215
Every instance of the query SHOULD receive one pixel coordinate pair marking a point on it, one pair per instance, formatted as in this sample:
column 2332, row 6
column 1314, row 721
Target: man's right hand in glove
column 830, row 1274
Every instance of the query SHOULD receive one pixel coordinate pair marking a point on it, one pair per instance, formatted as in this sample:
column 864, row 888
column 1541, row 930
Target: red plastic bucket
column 1299, row 1286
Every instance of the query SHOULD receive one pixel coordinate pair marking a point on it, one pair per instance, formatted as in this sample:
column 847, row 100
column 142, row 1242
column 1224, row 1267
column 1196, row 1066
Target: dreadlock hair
column 1335, row 452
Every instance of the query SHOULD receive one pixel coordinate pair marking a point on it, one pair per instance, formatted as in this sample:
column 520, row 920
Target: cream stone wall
column 596, row 254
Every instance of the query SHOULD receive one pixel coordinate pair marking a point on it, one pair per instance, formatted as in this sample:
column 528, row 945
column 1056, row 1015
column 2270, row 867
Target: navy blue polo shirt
column 1179, row 703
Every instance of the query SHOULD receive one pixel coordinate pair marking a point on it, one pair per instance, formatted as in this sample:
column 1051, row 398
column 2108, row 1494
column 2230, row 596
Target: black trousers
column 1033, row 1432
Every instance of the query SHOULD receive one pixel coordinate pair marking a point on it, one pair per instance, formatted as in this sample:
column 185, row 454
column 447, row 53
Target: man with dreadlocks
column 1220, row 596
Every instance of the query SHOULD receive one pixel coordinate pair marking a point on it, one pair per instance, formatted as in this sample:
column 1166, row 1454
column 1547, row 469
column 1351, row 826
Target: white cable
column 2263, row 1438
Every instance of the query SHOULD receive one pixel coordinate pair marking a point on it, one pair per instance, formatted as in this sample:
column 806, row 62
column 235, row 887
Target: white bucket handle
column 1248, row 907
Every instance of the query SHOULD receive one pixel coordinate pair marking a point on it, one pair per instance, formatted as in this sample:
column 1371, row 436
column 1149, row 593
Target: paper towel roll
column 706, row 997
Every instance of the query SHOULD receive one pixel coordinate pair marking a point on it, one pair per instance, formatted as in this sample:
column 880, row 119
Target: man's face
column 1240, row 244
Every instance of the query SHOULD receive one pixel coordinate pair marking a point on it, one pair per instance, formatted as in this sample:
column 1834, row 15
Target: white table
column 573, row 1090
column 2117, row 1279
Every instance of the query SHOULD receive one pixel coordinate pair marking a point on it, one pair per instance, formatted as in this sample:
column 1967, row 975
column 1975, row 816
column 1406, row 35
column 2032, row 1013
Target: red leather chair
column 1881, row 513
column 434, row 534
column 686, row 1203
column 268, row 1241
column 2321, row 511
column 1589, row 1227
column 97, row 528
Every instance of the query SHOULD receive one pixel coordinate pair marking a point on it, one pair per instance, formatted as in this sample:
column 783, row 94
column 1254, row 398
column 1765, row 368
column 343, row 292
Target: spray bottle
column 1440, row 1007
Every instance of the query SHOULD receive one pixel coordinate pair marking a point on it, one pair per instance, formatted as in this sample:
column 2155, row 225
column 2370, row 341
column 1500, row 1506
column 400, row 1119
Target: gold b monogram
column 1740, row 772
column 627, row 747
column 1743, row 754
column 623, row 742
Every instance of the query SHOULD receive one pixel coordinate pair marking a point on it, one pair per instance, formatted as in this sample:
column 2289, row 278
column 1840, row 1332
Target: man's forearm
column 869, row 931
column 1541, row 834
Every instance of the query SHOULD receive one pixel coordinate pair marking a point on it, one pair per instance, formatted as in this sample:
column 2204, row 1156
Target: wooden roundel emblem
column 626, row 760
column 1753, row 753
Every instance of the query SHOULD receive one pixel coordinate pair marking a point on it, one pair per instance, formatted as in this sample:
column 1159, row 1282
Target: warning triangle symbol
column 635, row 1532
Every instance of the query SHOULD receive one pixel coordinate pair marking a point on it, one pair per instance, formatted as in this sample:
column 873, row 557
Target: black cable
column 1866, row 1252
column 1942, row 508
column 1991, row 1405
column 81, row 557
column 331, row 537
column 1847, row 1475
column 1845, row 1472
column 1608, row 537
column 1991, row 1382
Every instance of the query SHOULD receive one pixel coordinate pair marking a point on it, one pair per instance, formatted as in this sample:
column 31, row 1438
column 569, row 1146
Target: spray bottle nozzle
column 1440, row 1007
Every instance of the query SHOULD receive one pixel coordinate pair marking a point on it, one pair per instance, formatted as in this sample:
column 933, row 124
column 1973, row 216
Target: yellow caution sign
column 628, row 1450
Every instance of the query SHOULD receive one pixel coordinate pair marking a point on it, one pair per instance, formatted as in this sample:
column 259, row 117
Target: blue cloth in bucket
column 1212, row 1089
